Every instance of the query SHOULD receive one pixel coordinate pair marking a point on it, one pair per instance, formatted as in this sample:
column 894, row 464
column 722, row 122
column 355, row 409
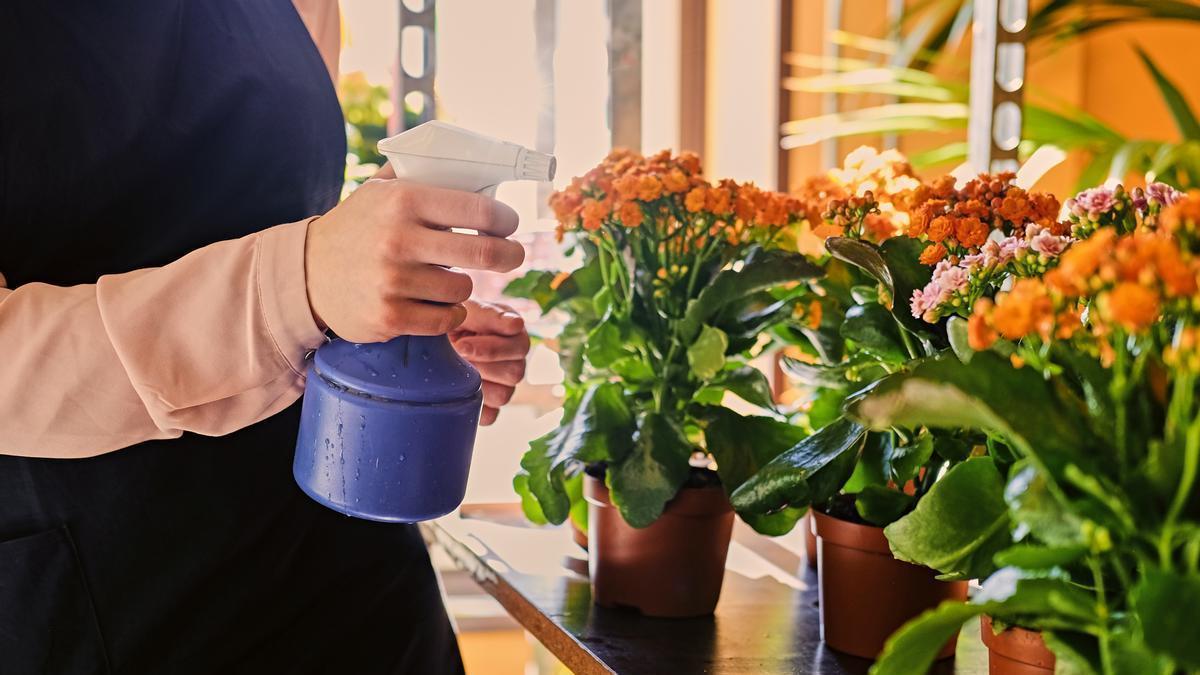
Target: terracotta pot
column 674, row 567
column 865, row 593
column 1016, row 651
column 578, row 535
column 810, row 540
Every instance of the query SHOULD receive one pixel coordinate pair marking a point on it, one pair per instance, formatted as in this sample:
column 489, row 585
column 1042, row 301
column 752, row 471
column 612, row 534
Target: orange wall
column 1100, row 73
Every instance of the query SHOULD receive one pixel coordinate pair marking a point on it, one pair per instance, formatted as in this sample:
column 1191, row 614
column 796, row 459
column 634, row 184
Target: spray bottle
column 387, row 429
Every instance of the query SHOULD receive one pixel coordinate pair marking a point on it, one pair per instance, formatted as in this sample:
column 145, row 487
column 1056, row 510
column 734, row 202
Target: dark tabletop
column 767, row 621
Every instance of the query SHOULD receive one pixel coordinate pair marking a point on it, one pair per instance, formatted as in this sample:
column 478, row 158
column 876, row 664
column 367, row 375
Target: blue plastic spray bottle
column 387, row 429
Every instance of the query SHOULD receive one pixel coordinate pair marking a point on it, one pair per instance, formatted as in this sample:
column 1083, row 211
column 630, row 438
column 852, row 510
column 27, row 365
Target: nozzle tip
column 538, row 166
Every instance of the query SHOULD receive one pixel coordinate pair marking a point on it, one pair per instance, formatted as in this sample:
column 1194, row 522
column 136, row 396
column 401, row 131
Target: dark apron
column 131, row 133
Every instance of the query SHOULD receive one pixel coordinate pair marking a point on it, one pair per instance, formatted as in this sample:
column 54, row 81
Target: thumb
column 386, row 171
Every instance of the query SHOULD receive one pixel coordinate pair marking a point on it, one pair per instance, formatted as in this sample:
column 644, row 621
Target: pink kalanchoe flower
column 949, row 278
column 1162, row 193
column 1048, row 244
column 1092, row 203
column 1009, row 247
column 923, row 300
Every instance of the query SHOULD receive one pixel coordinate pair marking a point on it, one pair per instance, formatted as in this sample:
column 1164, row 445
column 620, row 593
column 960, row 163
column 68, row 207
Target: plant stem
column 1191, row 458
column 904, row 337
column 1106, row 662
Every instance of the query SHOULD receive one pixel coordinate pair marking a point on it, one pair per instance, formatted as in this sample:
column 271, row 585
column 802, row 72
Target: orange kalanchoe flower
column 933, row 254
column 1025, row 310
column 594, row 213
column 675, row 181
column 630, row 214
column 940, row 228
column 971, row 232
column 696, row 199
column 1133, row 306
column 980, row 334
column 649, row 188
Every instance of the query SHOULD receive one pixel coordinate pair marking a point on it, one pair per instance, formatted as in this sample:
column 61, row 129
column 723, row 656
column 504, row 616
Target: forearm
column 209, row 344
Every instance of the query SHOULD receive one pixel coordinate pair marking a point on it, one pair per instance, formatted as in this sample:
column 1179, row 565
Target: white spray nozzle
column 443, row 155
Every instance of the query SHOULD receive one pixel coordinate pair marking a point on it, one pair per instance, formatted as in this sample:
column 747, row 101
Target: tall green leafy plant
column 1086, row 378
column 679, row 280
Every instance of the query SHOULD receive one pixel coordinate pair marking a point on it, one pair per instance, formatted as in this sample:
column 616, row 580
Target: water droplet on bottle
column 402, row 458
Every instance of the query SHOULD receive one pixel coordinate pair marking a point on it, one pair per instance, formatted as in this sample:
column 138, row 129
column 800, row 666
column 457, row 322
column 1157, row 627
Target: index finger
column 442, row 208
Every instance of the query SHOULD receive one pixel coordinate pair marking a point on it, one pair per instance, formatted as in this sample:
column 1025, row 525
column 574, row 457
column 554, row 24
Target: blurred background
column 770, row 91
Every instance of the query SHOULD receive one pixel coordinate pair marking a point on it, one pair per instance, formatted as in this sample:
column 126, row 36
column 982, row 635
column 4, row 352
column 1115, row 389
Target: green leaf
column 895, row 265
column 880, row 505
column 815, row 374
column 863, row 255
column 873, row 329
column 1074, row 653
column 579, row 507
column 987, row 394
column 913, row 648
column 533, row 285
column 529, row 504
column 642, row 483
column 810, row 472
column 902, row 256
column 762, row 269
column 1005, row 595
column 959, row 525
column 1033, row 506
column 748, row 382
column 1039, row 557
column 742, row 445
column 1185, row 119
column 1168, row 606
column 632, row 369
column 904, row 461
column 956, row 330
column 600, row 428
column 826, row 407
column 604, row 345
column 706, row 355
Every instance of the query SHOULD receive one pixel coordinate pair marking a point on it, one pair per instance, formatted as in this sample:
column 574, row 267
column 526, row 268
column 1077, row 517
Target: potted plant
column 679, row 278
column 1086, row 377
column 865, row 483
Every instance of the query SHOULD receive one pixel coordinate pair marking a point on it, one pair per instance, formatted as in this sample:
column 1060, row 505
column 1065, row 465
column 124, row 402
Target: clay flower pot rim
column 689, row 501
column 867, row 538
column 1016, row 643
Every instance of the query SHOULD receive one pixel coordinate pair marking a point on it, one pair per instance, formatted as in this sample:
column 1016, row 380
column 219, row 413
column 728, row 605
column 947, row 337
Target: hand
column 494, row 340
column 374, row 263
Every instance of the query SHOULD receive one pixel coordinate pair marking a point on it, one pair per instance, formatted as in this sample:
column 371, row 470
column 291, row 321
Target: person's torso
column 130, row 134
column 134, row 132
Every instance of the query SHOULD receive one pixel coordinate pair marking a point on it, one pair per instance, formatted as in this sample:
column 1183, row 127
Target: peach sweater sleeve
column 210, row 343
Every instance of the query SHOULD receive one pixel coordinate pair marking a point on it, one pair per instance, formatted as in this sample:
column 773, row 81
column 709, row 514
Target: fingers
column 442, row 208
column 470, row 251
column 488, row 416
column 496, row 395
column 485, row 348
column 413, row 317
column 502, row 372
column 432, row 283
column 493, row 318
